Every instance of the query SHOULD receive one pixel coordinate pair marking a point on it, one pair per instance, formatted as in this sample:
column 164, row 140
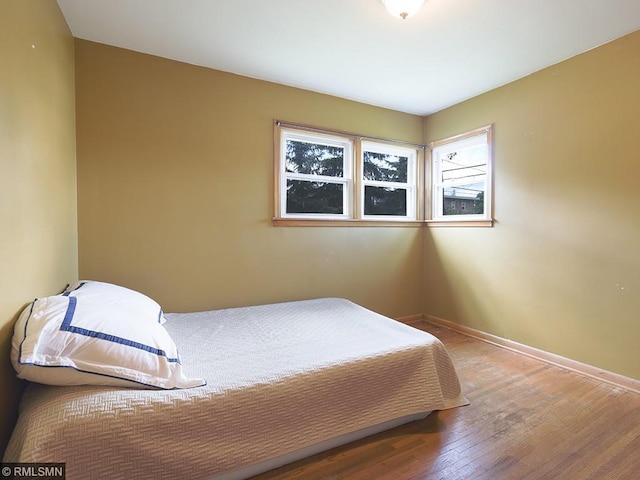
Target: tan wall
column 38, row 239
column 561, row 268
column 175, row 186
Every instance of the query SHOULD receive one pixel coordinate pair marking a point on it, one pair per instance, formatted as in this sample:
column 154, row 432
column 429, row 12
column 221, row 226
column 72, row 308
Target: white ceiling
column 450, row 51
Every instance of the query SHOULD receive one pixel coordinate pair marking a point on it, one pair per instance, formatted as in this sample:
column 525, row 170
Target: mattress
column 280, row 378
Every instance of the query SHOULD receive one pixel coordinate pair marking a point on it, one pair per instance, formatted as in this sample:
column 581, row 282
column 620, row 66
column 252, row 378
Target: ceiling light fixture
column 402, row 8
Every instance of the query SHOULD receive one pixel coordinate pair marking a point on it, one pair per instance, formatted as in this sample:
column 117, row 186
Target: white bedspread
column 280, row 377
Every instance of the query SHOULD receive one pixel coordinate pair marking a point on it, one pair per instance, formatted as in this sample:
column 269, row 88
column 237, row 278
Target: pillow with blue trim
column 97, row 334
column 107, row 293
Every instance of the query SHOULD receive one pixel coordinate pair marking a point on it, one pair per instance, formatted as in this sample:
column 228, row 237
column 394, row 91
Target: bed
column 283, row 381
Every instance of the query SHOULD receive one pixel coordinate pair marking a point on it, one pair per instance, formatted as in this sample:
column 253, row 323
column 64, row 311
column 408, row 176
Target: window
column 388, row 181
column 461, row 175
column 333, row 177
column 316, row 175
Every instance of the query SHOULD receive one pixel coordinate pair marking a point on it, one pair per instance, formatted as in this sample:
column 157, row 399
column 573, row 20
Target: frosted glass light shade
column 402, row 8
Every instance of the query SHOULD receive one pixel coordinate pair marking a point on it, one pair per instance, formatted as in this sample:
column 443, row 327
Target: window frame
column 346, row 180
column 434, row 202
column 410, row 186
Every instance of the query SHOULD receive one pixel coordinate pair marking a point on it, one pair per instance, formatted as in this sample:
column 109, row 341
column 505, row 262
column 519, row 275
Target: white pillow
column 89, row 337
column 147, row 308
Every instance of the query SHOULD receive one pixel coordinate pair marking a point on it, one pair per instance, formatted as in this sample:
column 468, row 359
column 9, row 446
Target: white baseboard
column 590, row 371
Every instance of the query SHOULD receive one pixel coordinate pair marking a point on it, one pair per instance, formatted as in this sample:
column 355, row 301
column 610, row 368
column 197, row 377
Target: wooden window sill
column 303, row 222
column 459, row 223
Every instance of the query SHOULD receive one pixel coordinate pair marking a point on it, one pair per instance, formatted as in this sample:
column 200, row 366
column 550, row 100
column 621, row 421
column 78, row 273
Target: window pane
column 464, row 165
column 314, row 159
column 314, row 197
column 383, row 167
column 463, row 199
column 385, row 201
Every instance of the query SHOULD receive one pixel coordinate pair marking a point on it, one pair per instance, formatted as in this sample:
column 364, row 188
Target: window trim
column 480, row 220
column 355, row 209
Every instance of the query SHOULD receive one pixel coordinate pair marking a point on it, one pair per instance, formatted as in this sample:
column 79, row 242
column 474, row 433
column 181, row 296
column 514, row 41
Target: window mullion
column 420, row 191
column 357, row 187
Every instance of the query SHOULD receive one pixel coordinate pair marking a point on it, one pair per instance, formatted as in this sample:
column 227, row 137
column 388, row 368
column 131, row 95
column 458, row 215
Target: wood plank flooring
column 527, row 420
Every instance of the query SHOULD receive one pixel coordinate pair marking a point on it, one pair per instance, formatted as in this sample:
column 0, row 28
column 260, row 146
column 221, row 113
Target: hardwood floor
column 527, row 420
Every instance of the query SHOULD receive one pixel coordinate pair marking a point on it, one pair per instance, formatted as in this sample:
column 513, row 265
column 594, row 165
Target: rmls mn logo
column 33, row 470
